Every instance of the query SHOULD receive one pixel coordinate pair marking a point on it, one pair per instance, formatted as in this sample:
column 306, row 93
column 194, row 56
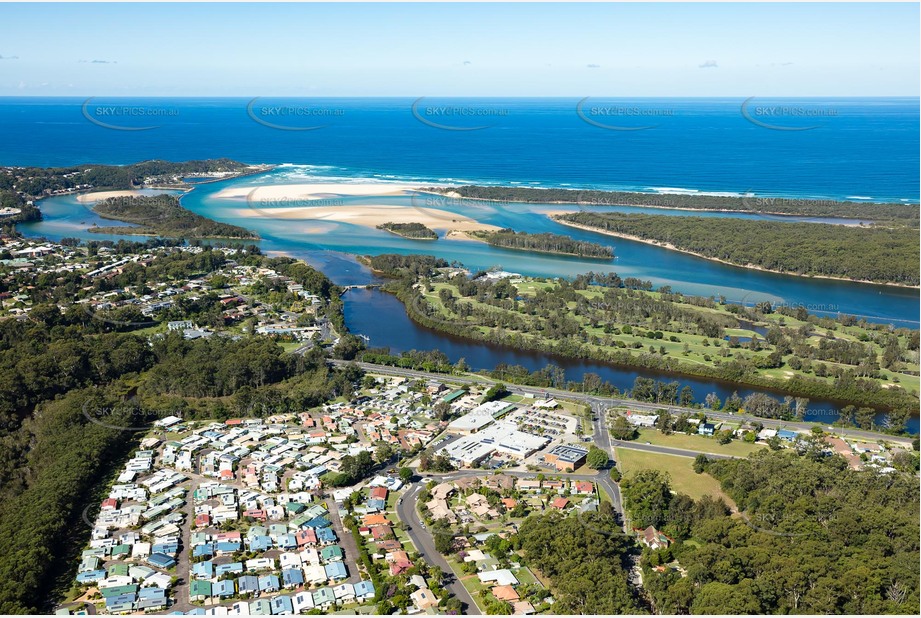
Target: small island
column 556, row 244
column 413, row 231
column 162, row 215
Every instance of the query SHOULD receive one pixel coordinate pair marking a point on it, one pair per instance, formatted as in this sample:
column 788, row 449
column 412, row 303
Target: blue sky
column 460, row 50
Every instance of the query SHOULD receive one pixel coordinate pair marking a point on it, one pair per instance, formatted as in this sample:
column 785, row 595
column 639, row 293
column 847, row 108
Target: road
column 183, row 563
column 619, row 402
column 347, row 541
column 425, row 545
column 423, row 540
column 603, row 441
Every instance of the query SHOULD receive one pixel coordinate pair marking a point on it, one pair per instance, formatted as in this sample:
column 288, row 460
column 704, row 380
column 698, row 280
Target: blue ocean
column 849, row 148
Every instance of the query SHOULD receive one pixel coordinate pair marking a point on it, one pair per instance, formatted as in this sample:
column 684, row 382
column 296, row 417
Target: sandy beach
column 95, row 196
column 456, row 234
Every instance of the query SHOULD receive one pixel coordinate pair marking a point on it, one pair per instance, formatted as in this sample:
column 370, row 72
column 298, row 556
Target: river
column 328, row 245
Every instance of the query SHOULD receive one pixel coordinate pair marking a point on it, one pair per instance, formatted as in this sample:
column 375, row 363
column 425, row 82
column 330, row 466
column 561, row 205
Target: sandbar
column 95, row 196
column 368, row 215
column 312, row 191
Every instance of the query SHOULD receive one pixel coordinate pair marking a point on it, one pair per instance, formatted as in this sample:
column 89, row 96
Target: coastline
column 669, row 246
column 458, row 196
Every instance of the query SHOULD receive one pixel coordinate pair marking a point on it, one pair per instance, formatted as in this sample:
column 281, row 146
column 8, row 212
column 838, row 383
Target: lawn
column 680, row 470
column 703, row 444
column 525, row 576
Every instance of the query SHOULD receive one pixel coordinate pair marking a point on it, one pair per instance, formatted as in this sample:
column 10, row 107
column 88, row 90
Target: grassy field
column 680, row 470
column 736, row 448
column 677, row 341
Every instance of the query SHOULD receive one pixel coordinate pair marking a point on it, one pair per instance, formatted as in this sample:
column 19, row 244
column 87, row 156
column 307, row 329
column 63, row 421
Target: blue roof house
column 325, row 535
column 161, row 561
column 203, row 570
column 364, row 590
column 230, row 567
column 224, row 588
column 281, row 605
column 292, row 578
column 248, row 584
column 269, row 583
column 260, row 543
column 336, row 571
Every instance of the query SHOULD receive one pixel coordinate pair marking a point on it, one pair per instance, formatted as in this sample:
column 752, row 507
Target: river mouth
column 310, row 238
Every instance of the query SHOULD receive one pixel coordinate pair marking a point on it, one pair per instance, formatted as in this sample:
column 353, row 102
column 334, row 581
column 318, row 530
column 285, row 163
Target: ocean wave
column 297, row 172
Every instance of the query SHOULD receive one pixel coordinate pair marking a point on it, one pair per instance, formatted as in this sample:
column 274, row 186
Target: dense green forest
column 416, row 231
column 875, row 253
column 812, row 537
column 27, row 212
column 779, row 206
column 545, row 243
column 69, row 378
column 587, row 560
column 162, row 215
column 21, row 185
column 619, row 321
column 39, row 181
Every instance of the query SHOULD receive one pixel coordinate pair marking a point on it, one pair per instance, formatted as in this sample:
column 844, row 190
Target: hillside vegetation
column 813, row 537
column 162, row 215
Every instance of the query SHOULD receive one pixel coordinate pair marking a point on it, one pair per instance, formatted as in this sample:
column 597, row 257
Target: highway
column 630, row 403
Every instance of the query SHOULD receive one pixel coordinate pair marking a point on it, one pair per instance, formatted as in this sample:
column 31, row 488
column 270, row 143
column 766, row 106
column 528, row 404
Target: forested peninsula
column 748, row 203
column 623, row 322
column 162, row 215
column 875, row 254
